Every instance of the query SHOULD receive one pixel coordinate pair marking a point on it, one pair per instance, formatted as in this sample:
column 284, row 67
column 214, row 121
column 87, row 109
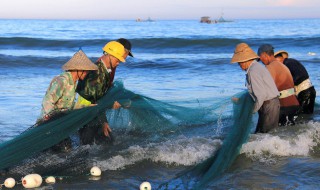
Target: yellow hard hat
column 115, row 49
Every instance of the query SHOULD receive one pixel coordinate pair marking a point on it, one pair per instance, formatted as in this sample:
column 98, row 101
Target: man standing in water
column 303, row 87
column 289, row 104
column 261, row 87
column 96, row 85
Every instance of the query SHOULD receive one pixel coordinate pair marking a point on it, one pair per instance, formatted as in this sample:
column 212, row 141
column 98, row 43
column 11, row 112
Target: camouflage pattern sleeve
column 95, row 85
column 53, row 94
column 87, row 87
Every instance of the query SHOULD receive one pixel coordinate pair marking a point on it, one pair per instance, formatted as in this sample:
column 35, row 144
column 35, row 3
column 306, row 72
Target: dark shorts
column 268, row 116
column 92, row 133
column 288, row 115
column 306, row 99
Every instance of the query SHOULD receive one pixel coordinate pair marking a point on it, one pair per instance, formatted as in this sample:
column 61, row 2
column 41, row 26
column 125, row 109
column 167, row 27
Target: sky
column 158, row 9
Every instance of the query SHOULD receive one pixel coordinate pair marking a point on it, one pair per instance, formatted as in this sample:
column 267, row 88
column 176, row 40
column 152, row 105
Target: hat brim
column 241, row 58
column 243, row 53
column 283, row 53
column 130, row 53
column 79, row 61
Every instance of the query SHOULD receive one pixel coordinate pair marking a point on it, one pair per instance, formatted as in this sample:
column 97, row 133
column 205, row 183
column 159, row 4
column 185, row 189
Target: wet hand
column 116, row 105
column 46, row 117
column 235, row 99
column 106, row 130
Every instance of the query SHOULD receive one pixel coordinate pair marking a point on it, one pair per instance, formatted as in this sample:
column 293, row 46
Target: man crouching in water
column 60, row 95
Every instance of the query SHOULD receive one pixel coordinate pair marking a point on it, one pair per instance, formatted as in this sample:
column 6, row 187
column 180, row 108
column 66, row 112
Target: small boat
column 146, row 20
column 221, row 19
column 206, row 19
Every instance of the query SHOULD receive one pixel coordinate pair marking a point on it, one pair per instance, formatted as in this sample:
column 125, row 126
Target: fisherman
column 60, row 95
column 303, row 87
column 127, row 49
column 261, row 87
column 96, row 85
column 289, row 104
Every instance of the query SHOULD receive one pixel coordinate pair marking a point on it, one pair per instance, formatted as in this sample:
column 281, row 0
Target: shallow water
column 182, row 62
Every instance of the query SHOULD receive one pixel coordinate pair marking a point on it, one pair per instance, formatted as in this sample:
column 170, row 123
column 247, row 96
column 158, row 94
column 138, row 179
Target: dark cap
column 126, row 43
column 266, row 48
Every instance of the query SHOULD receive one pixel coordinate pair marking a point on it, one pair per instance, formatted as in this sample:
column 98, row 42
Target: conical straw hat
column 243, row 53
column 284, row 54
column 79, row 61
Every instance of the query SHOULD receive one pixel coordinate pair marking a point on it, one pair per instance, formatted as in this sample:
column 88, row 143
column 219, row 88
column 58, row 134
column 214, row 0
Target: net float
column 31, row 181
column 95, row 171
column 50, row 179
column 145, row 186
column 9, row 182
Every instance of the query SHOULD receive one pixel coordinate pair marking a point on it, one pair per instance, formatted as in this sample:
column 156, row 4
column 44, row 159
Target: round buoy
column 95, row 171
column 51, row 180
column 145, row 186
column 31, row 181
column 9, row 182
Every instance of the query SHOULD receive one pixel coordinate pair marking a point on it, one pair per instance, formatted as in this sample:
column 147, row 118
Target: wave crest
column 299, row 140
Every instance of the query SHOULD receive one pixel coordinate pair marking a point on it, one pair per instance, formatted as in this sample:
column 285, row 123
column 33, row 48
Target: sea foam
column 182, row 151
column 296, row 140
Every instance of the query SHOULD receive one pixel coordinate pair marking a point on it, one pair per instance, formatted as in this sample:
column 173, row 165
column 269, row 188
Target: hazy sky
column 158, row 9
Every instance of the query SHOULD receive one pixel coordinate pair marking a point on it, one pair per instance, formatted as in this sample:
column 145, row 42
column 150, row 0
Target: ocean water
column 176, row 62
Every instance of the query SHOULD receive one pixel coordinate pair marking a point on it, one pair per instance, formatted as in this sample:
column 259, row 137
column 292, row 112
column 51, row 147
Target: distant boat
column 206, row 19
column 221, row 19
column 147, row 20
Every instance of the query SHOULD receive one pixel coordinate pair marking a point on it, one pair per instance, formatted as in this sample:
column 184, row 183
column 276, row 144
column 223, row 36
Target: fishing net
column 140, row 114
column 27, row 153
column 231, row 146
column 199, row 176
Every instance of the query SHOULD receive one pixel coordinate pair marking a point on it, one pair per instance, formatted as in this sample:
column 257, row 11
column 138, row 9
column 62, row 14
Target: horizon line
column 98, row 19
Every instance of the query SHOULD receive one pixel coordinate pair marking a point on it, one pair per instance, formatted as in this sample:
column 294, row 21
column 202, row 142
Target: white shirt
column 260, row 84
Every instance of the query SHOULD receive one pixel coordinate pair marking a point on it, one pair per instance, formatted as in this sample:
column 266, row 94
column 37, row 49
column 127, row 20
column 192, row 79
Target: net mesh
column 141, row 115
column 238, row 135
column 199, row 176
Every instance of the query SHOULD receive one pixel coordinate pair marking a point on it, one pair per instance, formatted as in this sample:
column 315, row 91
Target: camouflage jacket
column 96, row 83
column 60, row 95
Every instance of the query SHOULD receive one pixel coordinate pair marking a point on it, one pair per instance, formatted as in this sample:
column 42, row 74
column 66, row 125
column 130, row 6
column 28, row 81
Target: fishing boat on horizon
column 146, row 20
column 221, row 19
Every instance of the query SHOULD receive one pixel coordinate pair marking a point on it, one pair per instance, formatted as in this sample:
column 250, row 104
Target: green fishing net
column 199, row 176
column 139, row 114
column 237, row 136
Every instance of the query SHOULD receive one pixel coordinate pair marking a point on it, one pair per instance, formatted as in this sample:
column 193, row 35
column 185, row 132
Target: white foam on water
column 182, row 151
column 185, row 152
column 296, row 140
